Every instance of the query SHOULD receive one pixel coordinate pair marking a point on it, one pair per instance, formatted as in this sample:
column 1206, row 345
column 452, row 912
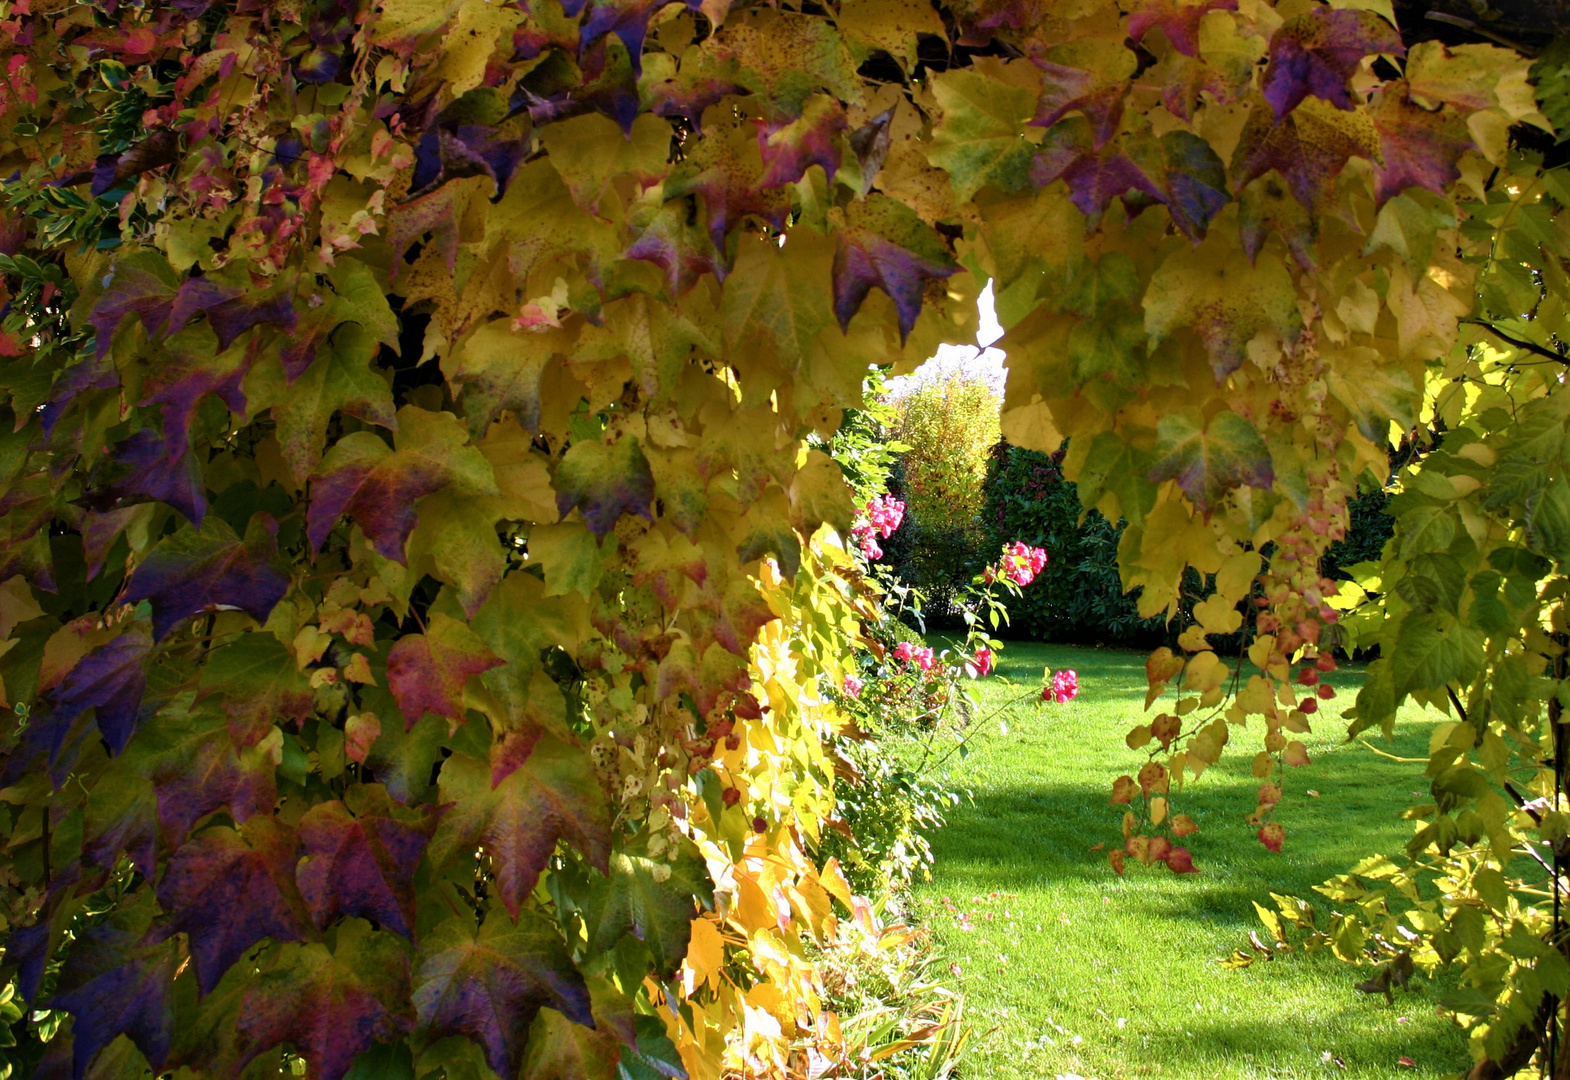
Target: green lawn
column 1070, row 970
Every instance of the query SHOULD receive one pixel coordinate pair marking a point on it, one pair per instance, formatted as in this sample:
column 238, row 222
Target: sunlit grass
column 1072, row 970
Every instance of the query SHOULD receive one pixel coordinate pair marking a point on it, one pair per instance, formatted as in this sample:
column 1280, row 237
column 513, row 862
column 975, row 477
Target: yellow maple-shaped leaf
column 1216, row 292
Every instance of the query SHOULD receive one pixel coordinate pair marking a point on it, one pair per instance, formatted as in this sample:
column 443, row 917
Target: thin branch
column 1481, row 31
column 1529, row 346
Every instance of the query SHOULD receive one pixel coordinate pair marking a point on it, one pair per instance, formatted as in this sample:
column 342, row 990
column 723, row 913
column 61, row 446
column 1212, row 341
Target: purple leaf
column 111, row 680
column 227, row 891
column 162, row 470
column 790, row 149
column 886, row 246
column 491, row 984
column 605, row 482
column 193, row 572
column 361, row 866
column 142, row 285
column 114, row 985
column 1318, row 51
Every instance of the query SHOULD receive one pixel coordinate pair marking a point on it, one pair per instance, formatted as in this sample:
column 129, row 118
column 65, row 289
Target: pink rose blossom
column 925, row 658
column 853, row 686
column 904, row 650
column 981, row 666
column 1020, row 564
column 1064, row 688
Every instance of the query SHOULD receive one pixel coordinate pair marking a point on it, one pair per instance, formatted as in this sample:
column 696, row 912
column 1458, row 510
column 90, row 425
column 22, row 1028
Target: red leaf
column 329, row 1006
column 1272, row 836
column 548, row 794
column 426, row 672
column 361, row 865
column 1406, row 1061
column 1178, row 18
column 1179, row 861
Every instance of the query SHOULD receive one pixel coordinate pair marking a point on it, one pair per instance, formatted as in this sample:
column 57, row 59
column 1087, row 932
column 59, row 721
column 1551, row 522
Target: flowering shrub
column 883, row 515
column 1063, row 688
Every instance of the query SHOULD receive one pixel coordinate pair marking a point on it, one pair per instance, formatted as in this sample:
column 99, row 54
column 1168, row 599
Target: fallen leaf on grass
column 1099, row 846
column 1408, row 1062
column 1311, row 793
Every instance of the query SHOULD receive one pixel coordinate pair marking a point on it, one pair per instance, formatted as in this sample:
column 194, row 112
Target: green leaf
column 981, row 137
column 1432, row 651
column 653, row 900
column 1210, row 460
column 605, row 483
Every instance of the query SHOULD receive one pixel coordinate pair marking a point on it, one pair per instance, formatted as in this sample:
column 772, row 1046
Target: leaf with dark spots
column 259, row 683
column 724, row 170
column 1315, row 53
column 491, row 983
column 500, row 367
column 675, row 243
column 886, row 246
column 192, row 572
column 361, row 865
column 426, row 672
column 1210, row 460
column 548, row 794
column 1178, row 19
column 1417, row 148
column 1134, row 163
column 111, row 680
column 329, row 1006
column 116, row 983
column 1309, row 148
column 790, row 148
column 604, row 483
column 228, row 890
column 362, row 478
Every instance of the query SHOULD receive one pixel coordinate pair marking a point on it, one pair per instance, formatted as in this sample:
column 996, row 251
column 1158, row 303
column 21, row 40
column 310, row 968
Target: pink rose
column 904, row 650
column 1065, row 686
column 853, row 686
column 981, row 666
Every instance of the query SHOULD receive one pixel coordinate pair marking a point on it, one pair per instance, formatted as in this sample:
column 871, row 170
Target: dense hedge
column 1079, row 599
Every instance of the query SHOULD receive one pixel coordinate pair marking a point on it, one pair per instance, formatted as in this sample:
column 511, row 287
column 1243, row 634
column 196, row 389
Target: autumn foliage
column 417, row 605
